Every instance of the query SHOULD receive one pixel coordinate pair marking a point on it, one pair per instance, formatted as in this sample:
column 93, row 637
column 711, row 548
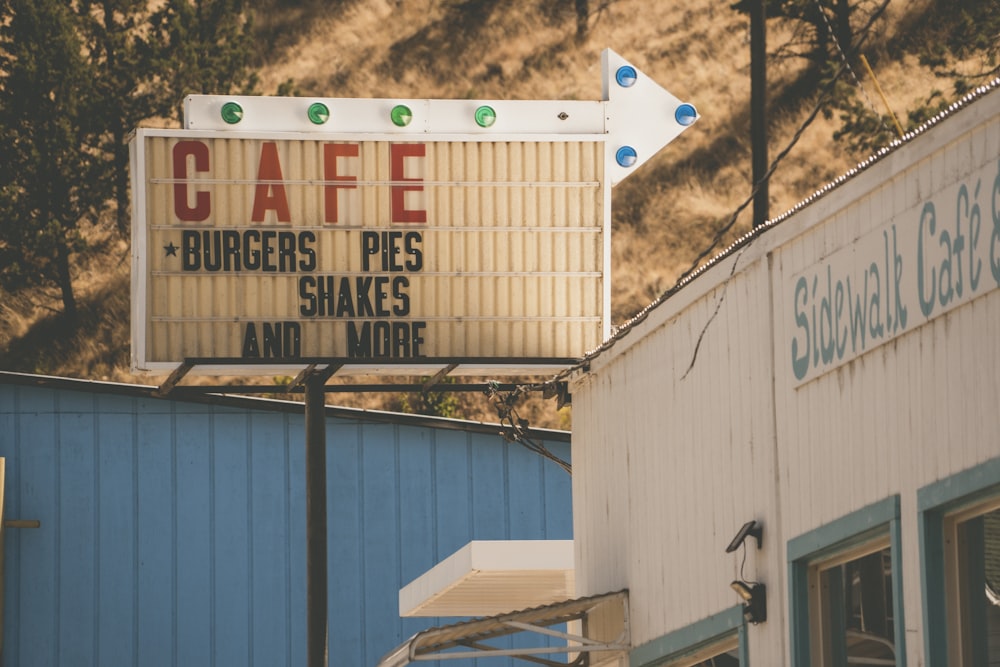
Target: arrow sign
column 385, row 235
column 637, row 116
column 641, row 116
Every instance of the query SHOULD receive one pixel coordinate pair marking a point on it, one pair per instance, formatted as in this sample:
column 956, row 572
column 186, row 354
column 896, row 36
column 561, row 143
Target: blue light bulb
column 626, row 156
column 686, row 114
column 626, row 76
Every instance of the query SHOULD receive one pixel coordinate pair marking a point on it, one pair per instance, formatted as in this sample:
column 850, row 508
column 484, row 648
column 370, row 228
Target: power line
column 695, row 268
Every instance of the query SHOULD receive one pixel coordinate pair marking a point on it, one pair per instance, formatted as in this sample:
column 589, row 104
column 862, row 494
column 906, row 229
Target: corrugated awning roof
column 603, row 622
column 487, row 577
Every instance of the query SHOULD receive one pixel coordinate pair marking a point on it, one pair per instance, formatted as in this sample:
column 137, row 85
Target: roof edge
column 269, row 404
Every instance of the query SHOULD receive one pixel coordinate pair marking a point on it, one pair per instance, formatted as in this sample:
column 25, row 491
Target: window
column 960, row 543
column 972, row 574
column 855, row 608
column 720, row 657
column 716, row 641
column 845, row 589
column 717, row 655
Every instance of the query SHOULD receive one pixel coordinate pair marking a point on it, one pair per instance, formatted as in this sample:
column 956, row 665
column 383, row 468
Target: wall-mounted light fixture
column 750, row 529
column 753, row 593
column 754, row 597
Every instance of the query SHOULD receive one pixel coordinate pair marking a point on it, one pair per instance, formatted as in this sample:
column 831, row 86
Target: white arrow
column 642, row 117
column 636, row 118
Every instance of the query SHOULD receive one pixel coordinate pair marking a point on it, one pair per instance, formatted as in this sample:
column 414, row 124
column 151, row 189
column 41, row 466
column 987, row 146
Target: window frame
column 719, row 632
column 864, row 530
column 941, row 506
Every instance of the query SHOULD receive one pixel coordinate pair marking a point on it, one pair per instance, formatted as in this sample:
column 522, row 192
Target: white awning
column 485, row 578
column 603, row 623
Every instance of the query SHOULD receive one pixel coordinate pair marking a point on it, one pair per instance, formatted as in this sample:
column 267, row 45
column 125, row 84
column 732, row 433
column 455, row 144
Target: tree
column 578, row 11
column 75, row 79
column 829, row 35
column 822, row 29
column 113, row 31
column 959, row 40
column 49, row 173
column 201, row 46
column 957, row 30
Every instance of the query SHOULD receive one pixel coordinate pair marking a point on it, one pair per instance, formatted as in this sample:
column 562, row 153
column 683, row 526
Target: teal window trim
column 934, row 501
column 694, row 637
column 829, row 539
column 963, row 488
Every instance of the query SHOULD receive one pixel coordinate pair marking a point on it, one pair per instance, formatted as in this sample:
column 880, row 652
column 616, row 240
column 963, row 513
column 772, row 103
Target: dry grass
column 512, row 49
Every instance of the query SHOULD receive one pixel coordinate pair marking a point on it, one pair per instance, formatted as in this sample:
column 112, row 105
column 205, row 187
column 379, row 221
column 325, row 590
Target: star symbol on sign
column 171, row 249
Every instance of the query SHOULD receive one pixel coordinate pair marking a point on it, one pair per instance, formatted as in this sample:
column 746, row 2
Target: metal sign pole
column 316, row 561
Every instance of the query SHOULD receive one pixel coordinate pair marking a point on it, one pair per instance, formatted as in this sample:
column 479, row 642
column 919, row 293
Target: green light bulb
column 401, row 115
column 318, row 113
column 485, row 116
column 232, row 113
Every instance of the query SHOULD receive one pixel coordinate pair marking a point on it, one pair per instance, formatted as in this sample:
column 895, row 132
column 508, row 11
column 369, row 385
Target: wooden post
column 758, row 109
column 316, row 564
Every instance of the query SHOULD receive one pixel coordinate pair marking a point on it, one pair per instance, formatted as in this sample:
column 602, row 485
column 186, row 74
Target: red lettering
column 397, row 153
column 270, row 192
column 330, row 154
column 202, row 200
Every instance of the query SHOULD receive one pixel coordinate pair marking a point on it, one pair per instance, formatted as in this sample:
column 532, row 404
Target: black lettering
column 359, row 343
column 230, row 250
column 309, row 308
column 412, row 246
column 191, row 249
column 393, row 245
column 369, row 247
column 381, row 341
column 325, row 295
column 248, row 250
column 286, row 251
column 251, row 251
column 267, row 250
column 399, row 285
column 364, row 286
column 278, row 340
column 212, row 261
column 381, row 338
column 380, row 296
column 401, row 340
column 308, row 261
column 272, row 340
column 292, row 348
column 345, row 301
column 251, row 349
column 417, row 337
column 390, row 246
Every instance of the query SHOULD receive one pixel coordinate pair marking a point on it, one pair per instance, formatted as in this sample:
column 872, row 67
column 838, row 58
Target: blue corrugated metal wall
column 173, row 533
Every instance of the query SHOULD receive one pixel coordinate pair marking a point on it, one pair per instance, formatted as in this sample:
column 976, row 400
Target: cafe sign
column 384, row 234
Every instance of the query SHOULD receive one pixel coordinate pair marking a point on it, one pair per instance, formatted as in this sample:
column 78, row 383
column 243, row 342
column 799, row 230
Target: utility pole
column 316, row 560
column 758, row 108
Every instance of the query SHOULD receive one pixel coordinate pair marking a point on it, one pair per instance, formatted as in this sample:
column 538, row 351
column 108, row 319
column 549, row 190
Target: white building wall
column 669, row 463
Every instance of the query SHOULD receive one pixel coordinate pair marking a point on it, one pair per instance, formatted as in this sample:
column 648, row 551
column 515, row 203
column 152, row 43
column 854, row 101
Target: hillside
column 663, row 216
